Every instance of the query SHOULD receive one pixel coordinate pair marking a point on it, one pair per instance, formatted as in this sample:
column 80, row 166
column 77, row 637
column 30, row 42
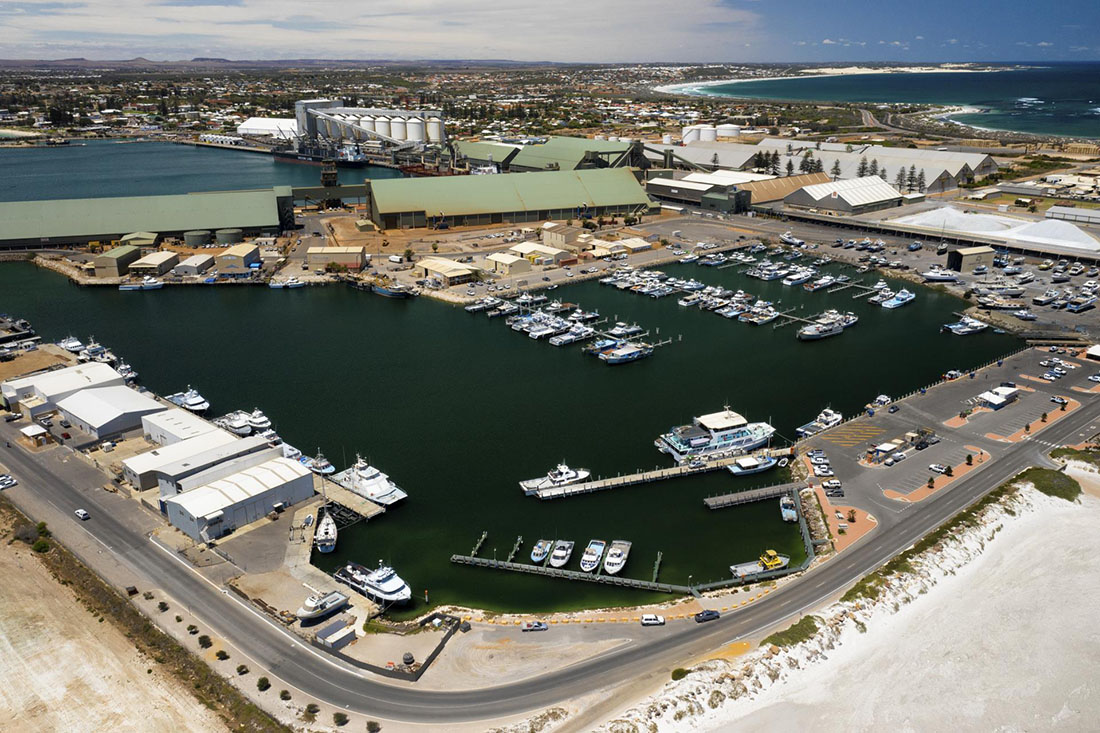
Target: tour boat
column 718, row 432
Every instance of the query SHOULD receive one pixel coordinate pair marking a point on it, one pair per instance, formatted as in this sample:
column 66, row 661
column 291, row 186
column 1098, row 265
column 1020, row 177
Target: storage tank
column 690, row 135
column 367, row 121
column 414, row 129
column 666, row 139
column 398, row 128
column 382, row 125
column 229, row 236
column 196, row 238
column 435, row 129
column 729, row 130
column 707, row 133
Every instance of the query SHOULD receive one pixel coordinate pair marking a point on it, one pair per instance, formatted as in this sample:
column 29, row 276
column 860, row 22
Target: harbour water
column 1056, row 99
column 133, row 168
column 457, row 408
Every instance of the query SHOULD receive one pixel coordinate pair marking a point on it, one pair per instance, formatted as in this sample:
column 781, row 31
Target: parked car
column 831, row 484
column 7, row 481
column 82, row 515
column 652, row 619
column 708, row 615
column 534, row 626
column 823, row 471
column 1059, row 400
column 893, row 409
column 937, row 468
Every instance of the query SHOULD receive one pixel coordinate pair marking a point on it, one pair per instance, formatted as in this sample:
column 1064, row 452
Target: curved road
column 318, row 675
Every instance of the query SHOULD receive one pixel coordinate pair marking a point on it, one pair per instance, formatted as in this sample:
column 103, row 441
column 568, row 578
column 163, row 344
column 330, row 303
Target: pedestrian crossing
column 853, row 434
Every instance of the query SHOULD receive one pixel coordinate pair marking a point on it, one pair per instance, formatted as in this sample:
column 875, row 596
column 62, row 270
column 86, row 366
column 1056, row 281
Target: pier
column 569, row 574
column 337, row 494
column 645, row 477
column 747, row 497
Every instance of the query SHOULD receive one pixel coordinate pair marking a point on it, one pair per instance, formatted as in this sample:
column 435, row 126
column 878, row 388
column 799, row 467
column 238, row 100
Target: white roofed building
column 144, row 469
column 852, row 196
column 104, row 412
column 277, row 127
column 40, row 393
column 218, row 508
column 174, row 425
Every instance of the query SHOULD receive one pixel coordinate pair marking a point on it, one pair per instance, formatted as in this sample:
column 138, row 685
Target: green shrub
column 242, row 669
column 263, row 684
column 205, row 642
column 41, row 545
column 373, row 726
column 679, row 673
column 284, row 695
column 339, row 718
column 796, row 633
column 162, row 606
column 222, row 655
column 42, row 530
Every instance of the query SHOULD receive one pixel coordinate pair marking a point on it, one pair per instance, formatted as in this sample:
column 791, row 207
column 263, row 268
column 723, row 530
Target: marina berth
column 715, row 434
column 616, row 557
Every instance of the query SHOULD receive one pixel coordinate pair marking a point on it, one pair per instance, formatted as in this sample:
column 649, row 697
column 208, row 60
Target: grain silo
column 414, row 130
column 398, row 128
column 435, row 130
column 382, row 125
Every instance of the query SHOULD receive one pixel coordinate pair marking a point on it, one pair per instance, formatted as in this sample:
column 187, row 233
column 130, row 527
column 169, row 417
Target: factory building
column 776, row 189
column 238, row 259
column 279, row 128
column 562, row 236
column 447, row 272
column 105, row 412
column 353, row 258
column 852, row 196
column 965, row 259
column 174, row 425
column 568, row 154
column 116, row 262
column 145, row 470
column 216, row 509
column 41, row 393
column 194, row 265
column 479, row 154
column 480, row 200
column 79, row 221
column 506, row 264
column 210, row 463
column 154, row 264
column 724, row 198
column 540, row 254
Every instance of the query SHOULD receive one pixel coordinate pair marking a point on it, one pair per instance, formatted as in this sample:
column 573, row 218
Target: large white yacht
column 318, row 605
column 563, row 475
column 235, row 422
column 382, row 584
column 189, row 400
column 616, row 557
column 325, row 539
column 370, row 483
column 718, row 432
column 257, row 420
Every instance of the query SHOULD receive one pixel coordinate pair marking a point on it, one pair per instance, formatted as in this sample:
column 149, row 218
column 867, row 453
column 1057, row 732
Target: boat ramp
column 645, row 477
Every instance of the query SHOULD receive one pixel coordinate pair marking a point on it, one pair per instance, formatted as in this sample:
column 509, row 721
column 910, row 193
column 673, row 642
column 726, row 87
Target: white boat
column 370, row 483
column 788, row 238
column 382, row 585
column 590, row 560
column 616, row 557
column 787, row 509
column 126, row 371
column 235, row 422
column 718, row 432
column 939, row 275
column 622, row 330
column 319, row 465
column 748, row 465
column 319, row 605
column 902, row 297
column 821, row 329
column 146, row 283
column 258, row 420
column 290, row 283
column 563, row 550
column 541, row 551
column 325, row 538
column 93, row 351
column 562, row 475
column 825, row 419
column 966, row 326
column 291, row 452
column 190, row 400
column 71, row 344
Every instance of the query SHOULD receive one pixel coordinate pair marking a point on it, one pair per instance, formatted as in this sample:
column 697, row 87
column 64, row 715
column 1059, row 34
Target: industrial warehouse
column 495, row 199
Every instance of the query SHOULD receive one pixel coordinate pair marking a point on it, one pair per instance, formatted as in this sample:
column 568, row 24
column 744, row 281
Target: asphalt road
column 318, row 675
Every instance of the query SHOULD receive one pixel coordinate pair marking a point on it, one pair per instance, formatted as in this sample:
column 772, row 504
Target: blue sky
column 555, row 30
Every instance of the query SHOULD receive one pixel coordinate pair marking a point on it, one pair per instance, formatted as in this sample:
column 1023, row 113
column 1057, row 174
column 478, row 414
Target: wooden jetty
column 645, row 477
column 747, row 497
column 339, row 495
column 569, row 574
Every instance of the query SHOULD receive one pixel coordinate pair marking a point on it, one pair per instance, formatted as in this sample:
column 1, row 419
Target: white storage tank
column 690, row 134
column 367, row 121
column 398, row 128
column 414, row 129
column 666, row 139
column 707, row 133
column 728, row 130
column 382, row 125
column 435, row 129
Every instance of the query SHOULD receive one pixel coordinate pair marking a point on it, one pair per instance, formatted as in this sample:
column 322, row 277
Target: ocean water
column 127, row 168
column 1058, row 99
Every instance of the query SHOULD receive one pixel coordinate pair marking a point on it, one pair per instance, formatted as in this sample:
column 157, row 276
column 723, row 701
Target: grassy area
column 1085, row 456
column 796, row 633
column 208, row 687
column 1051, row 482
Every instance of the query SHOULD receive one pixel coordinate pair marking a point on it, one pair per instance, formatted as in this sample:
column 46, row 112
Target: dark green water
column 123, row 168
column 458, row 408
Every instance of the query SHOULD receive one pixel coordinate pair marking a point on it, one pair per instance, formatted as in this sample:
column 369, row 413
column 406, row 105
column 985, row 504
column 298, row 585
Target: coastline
column 691, row 88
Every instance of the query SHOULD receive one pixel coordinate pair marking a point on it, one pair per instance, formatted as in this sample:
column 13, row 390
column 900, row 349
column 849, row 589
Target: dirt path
column 61, row 669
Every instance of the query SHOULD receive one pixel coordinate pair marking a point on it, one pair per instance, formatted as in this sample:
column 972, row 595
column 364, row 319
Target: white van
column 652, row 619
column 396, row 259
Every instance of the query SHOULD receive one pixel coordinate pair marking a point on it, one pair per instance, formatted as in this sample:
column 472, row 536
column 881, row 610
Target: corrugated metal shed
column 465, row 195
column 565, row 152
column 856, row 191
column 114, row 216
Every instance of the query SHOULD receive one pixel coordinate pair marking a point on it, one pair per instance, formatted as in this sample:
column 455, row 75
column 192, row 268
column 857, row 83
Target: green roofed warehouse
column 506, row 198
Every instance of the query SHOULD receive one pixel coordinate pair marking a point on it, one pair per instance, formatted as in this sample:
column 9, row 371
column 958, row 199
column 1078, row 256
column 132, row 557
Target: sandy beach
column 695, row 87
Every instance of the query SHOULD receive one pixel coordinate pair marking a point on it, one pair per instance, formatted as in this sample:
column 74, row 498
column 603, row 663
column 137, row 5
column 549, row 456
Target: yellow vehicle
column 1047, row 264
column 771, row 560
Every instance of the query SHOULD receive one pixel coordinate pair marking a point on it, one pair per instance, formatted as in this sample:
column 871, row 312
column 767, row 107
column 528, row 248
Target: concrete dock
column 339, row 495
column 645, row 477
column 746, row 497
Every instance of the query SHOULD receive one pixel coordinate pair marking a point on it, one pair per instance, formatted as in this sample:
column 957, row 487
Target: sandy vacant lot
column 60, row 669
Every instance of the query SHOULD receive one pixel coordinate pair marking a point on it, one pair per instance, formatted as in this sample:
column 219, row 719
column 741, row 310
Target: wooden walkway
column 569, row 574
column 339, row 495
column 645, row 477
column 746, row 497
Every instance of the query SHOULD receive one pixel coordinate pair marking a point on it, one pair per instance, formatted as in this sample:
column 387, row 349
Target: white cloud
column 1044, row 44
column 920, row 38
column 828, row 42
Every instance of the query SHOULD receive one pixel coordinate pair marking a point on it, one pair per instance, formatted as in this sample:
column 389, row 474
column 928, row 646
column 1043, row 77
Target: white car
column 823, row 471
column 831, row 484
column 82, row 515
column 819, row 460
column 937, row 468
column 652, row 619
column 1095, row 378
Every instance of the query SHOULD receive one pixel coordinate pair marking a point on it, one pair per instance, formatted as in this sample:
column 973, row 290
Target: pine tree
column 835, row 172
column 899, row 182
column 819, row 166
column 921, row 181
column 790, row 167
column 862, row 170
column 773, row 163
column 873, row 170
column 807, row 163
column 758, row 161
column 911, row 179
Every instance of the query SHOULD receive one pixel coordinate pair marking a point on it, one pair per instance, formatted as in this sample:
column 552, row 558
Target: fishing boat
column 382, row 585
column 902, row 297
column 319, row 465
column 190, row 400
column 715, row 433
column 561, row 475
column 590, row 560
column 616, row 557
column 563, row 550
column 825, row 419
column 392, row 289
column 126, row 371
column 770, row 560
column 748, row 465
column 626, row 353
column 71, row 344
column 966, row 326
column 325, row 538
column 370, row 483
column 541, row 551
column 787, row 509
column 319, row 605
column 146, row 283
